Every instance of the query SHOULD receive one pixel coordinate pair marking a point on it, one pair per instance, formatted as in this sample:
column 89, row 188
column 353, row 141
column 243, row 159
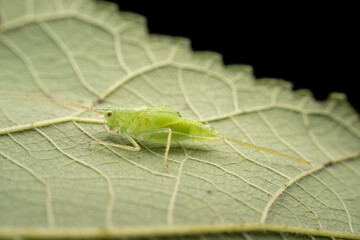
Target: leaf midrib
column 175, row 230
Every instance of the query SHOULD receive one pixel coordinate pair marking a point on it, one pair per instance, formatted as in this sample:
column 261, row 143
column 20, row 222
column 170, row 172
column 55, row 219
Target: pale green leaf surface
column 52, row 184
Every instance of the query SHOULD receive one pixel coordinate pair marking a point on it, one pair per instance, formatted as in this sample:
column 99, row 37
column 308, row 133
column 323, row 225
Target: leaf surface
column 52, row 184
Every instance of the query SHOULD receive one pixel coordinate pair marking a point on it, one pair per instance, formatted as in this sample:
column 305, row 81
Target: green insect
column 153, row 124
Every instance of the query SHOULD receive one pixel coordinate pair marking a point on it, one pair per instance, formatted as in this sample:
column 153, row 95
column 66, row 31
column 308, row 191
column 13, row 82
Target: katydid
column 152, row 124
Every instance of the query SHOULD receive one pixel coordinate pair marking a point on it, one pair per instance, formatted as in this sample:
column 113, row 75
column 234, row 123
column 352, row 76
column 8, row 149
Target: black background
column 314, row 47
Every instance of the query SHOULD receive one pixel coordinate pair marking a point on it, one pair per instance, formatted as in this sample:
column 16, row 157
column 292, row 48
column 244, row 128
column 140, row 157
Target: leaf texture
column 52, row 184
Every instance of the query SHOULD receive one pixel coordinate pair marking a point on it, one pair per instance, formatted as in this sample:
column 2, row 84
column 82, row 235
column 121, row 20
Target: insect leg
column 127, row 136
column 158, row 132
column 168, row 142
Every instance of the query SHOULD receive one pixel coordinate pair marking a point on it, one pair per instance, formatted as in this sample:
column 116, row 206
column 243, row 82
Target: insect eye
column 109, row 114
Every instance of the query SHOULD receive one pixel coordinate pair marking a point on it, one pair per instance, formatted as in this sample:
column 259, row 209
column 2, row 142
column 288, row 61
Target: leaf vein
column 49, row 209
column 107, row 179
column 27, row 62
column 171, row 207
column 340, row 199
column 298, row 178
column 232, row 174
column 69, row 55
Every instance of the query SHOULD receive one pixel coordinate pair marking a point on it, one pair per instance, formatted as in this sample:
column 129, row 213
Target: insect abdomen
column 193, row 128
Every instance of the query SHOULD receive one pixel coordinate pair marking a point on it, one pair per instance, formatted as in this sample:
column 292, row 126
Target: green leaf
column 53, row 185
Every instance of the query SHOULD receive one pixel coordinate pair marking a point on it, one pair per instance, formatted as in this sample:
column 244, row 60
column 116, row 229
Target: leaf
column 53, row 185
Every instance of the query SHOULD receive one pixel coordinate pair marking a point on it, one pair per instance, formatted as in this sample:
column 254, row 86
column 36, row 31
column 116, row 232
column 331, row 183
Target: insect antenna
column 267, row 150
column 19, row 97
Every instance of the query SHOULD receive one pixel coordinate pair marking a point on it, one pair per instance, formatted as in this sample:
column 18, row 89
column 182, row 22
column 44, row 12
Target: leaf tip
column 340, row 97
column 303, row 92
column 275, row 82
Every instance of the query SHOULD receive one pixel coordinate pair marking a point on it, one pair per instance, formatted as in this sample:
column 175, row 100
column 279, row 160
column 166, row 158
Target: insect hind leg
column 168, row 142
column 147, row 134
